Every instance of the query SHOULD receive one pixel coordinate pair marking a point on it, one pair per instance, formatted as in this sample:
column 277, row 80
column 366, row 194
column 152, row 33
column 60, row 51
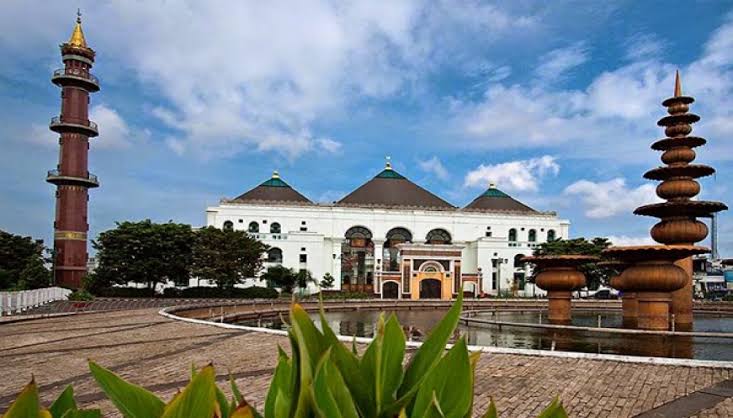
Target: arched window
column 275, row 228
column 358, row 236
column 228, row 225
column 438, row 236
column 391, row 254
column 532, row 236
column 518, row 263
column 512, row 234
column 551, row 235
column 357, row 256
column 253, row 227
column 274, row 255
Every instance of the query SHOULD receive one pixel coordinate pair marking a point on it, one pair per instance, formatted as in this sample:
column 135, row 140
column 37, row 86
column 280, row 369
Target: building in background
column 392, row 238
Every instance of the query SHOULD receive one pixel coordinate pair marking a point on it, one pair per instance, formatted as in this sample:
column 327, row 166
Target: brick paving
column 156, row 352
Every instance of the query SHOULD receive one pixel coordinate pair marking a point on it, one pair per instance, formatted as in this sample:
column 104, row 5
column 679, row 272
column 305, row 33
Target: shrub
column 125, row 292
column 253, row 292
column 337, row 295
column 323, row 378
column 81, row 295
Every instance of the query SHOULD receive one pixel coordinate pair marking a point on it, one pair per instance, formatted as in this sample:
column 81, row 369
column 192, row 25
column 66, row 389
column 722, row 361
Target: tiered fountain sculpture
column 662, row 274
column 559, row 276
column 629, row 304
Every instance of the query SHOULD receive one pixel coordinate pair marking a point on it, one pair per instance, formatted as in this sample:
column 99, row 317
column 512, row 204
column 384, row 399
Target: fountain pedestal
column 653, row 276
column 629, row 301
column 559, row 275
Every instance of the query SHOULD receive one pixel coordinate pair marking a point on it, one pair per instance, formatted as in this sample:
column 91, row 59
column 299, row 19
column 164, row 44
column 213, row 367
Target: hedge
column 215, row 292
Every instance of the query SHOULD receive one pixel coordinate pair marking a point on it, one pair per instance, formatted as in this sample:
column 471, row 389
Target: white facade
column 311, row 236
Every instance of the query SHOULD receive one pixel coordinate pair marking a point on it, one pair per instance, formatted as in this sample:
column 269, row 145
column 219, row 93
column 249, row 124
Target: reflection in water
column 418, row 323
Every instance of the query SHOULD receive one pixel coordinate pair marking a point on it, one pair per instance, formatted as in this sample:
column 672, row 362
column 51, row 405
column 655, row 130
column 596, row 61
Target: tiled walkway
column 157, row 353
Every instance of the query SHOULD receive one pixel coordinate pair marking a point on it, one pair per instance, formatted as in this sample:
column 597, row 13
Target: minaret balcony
column 57, row 178
column 59, row 125
column 75, row 76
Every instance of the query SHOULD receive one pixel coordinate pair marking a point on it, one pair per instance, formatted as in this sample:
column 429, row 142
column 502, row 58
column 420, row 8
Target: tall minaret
column 71, row 176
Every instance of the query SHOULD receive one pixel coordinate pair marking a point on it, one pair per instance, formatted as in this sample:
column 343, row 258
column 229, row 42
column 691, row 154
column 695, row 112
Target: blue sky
column 555, row 101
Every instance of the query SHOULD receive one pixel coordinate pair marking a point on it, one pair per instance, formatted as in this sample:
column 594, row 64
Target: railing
column 76, row 72
column 56, row 120
column 56, row 173
column 22, row 300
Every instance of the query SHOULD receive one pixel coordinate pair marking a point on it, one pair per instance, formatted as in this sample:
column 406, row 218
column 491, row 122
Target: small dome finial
column 388, row 162
column 492, row 184
column 275, row 174
column 677, row 84
column 77, row 36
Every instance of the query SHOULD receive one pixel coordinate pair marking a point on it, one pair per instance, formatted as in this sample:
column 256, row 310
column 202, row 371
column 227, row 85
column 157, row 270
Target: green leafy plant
column 81, row 295
column 27, row 405
column 320, row 378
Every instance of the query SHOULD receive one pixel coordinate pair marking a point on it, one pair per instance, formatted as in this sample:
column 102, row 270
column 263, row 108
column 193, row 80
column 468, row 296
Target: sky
column 556, row 102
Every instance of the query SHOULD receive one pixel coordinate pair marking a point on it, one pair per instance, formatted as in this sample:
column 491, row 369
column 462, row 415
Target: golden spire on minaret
column 677, row 85
column 77, row 36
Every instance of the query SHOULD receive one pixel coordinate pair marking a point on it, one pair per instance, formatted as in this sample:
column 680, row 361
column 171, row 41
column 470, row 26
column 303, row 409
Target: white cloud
column 435, row 167
column 556, row 63
column 114, row 133
column 644, row 46
column 329, row 145
column 619, row 106
column 237, row 76
column 624, row 240
column 610, row 198
column 521, row 175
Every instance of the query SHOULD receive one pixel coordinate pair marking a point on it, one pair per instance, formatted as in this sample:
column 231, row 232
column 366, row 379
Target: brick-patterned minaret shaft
column 72, row 176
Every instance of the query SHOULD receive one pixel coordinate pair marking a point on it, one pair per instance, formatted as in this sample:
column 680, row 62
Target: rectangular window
column 303, row 229
column 304, row 258
column 493, row 280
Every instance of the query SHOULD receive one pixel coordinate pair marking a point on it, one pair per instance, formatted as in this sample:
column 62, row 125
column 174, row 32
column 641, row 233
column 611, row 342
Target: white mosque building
column 392, row 238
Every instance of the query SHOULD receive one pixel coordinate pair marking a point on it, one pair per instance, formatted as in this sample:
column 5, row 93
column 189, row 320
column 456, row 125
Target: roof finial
column 77, row 36
column 275, row 174
column 388, row 162
column 677, row 84
column 492, row 184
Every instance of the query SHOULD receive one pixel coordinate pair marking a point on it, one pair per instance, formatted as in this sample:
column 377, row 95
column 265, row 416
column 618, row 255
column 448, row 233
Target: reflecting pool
column 418, row 322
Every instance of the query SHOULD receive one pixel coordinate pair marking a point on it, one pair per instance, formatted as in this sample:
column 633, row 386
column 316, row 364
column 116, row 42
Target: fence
column 20, row 301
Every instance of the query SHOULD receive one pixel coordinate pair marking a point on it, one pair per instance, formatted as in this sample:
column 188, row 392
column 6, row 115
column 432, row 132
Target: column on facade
column 378, row 264
column 336, row 244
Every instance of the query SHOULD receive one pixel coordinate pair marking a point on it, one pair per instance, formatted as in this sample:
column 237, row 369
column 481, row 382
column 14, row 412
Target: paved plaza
column 157, row 353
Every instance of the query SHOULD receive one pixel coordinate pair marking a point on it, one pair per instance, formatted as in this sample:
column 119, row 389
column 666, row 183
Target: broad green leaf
column 311, row 345
column 198, row 399
column 555, row 410
column 434, row 410
column 347, row 362
column 244, row 411
column 330, row 395
column 221, row 400
column 473, row 358
column 65, row 402
column 280, row 383
column 26, row 405
column 282, row 405
column 131, row 400
column 390, row 361
column 431, row 350
column 449, row 383
column 237, row 398
column 491, row 412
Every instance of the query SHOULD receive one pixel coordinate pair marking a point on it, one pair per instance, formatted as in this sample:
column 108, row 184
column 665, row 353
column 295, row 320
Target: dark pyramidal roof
column 273, row 190
column 391, row 189
column 494, row 200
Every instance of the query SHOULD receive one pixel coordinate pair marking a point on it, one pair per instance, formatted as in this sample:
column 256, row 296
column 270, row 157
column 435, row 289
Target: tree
column 595, row 275
column 144, row 252
column 226, row 257
column 327, row 282
column 22, row 262
column 303, row 278
column 279, row 276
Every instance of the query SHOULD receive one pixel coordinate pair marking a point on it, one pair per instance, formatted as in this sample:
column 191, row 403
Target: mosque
column 394, row 239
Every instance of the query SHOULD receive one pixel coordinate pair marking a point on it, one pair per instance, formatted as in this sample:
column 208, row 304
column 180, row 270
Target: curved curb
column 664, row 361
